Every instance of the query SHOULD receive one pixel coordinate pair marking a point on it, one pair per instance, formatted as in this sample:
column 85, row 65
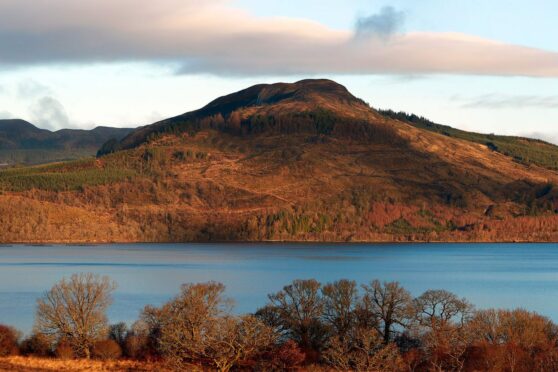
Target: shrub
column 106, row 349
column 141, row 342
column 286, row 357
column 37, row 345
column 179, row 155
column 8, row 341
column 118, row 332
column 64, row 350
column 135, row 346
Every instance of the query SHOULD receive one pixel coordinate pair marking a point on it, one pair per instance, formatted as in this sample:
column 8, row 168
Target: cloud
column 505, row 101
column 48, row 113
column 154, row 116
column 212, row 36
column 548, row 137
column 6, row 115
column 383, row 24
column 29, row 88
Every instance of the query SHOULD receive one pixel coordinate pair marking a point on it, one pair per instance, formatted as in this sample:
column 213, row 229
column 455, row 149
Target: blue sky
column 515, row 21
column 489, row 66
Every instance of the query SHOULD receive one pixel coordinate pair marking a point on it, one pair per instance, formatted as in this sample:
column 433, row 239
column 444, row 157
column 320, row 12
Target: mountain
column 279, row 108
column 22, row 142
column 302, row 161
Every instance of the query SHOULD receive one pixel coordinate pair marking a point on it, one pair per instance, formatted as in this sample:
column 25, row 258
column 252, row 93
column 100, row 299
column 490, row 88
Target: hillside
column 302, row 161
column 521, row 149
column 23, row 143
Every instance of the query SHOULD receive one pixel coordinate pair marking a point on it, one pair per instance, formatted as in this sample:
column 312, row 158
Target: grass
column 19, row 363
column 522, row 150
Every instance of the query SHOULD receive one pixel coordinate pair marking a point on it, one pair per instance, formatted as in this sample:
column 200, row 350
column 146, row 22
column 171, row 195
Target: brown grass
column 31, row 364
column 436, row 189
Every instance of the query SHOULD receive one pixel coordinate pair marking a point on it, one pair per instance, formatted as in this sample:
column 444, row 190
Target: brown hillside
column 303, row 161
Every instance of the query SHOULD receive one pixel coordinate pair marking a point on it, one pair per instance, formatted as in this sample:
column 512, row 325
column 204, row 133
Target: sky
column 488, row 66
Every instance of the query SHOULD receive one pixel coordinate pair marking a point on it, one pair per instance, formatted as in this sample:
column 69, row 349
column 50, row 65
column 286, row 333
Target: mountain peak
column 307, row 90
column 304, row 99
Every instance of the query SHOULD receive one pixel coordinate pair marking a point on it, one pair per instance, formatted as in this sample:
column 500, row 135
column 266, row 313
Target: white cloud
column 29, row 88
column 5, row 115
column 212, row 36
column 509, row 101
column 48, row 113
column 551, row 137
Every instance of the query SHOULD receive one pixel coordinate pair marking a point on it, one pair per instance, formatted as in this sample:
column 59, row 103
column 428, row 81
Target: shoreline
column 273, row 242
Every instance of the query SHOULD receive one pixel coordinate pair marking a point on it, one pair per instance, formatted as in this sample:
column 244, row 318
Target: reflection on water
column 503, row 275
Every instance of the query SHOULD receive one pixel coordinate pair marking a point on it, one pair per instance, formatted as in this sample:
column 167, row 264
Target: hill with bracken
column 305, row 161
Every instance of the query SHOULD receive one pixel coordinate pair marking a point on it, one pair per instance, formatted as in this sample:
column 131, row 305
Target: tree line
column 307, row 325
column 316, row 122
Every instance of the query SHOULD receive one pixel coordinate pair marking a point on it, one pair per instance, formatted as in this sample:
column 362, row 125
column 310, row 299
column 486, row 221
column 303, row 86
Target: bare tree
column 340, row 302
column 391, row 303
column 183, row 325
column 238, row 339
column 300, row 307
column 441, row 318
column 196, row 328
column 515, row 340
column 362, row 350
column 269, row 315
column 437, row 308
column 75, row 310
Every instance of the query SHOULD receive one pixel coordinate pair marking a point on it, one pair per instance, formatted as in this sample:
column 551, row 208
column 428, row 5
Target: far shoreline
column 271, row 242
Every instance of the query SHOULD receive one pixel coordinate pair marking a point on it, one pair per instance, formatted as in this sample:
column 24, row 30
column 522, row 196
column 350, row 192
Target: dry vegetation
column 311, row 164
column 306, row 326
column 34, row 364
column 215, row 186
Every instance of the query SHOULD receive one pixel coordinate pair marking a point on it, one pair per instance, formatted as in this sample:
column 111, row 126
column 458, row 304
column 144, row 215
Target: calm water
column 503, row 275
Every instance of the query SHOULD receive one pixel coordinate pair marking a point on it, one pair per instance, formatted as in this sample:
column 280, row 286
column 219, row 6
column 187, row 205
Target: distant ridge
column 23, row 142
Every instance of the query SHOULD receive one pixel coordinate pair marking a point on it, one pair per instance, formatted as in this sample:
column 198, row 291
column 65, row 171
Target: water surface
column 489, row 275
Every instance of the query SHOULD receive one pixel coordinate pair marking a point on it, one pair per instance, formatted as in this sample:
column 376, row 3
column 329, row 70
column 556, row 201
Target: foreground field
column 32, row 364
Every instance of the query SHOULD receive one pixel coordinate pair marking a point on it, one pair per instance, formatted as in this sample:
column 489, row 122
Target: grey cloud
column 407, row 78
column 212, row 37
column 49, row 113
column 384, row 24
column 502, row 101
